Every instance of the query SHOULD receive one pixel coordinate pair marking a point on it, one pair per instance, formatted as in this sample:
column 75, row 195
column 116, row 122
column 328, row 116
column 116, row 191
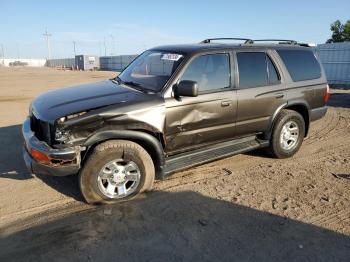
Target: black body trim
column 317, row 113
column 147, row 141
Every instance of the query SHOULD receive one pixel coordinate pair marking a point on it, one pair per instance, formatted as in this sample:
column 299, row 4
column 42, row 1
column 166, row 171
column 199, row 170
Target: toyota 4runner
column 176, row 107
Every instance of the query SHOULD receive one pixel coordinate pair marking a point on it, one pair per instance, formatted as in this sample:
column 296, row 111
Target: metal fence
column 63, row 62
column 109, row 63
column 116, row 63
column 335, row 59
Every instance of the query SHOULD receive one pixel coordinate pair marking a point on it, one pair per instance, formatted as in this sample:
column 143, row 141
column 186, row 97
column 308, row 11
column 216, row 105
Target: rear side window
column 252, row 69
column 301, row 64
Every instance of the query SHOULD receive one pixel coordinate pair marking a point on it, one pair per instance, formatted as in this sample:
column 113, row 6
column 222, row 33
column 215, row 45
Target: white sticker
column 172, row 57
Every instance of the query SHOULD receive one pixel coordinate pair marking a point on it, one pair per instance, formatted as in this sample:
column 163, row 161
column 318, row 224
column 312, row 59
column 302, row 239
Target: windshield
column 151, row 70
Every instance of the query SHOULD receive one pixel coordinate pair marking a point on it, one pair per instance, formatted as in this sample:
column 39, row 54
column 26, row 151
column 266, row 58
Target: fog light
column 40, row 157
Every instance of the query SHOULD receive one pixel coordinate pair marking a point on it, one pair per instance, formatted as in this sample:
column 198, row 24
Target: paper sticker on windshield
column 172, row 57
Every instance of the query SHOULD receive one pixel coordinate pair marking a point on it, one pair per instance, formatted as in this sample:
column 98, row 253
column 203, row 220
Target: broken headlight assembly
column 61, row 135
column 69, row 117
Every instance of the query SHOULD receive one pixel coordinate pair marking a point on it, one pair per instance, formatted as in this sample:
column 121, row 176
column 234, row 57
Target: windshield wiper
column 132, row 84
column 138, row 86
column 118, row 80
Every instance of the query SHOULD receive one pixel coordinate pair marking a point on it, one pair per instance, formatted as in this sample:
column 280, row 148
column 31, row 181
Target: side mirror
column 187, row 88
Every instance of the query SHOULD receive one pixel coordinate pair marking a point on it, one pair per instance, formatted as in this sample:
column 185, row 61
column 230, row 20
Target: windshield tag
column 172, row 57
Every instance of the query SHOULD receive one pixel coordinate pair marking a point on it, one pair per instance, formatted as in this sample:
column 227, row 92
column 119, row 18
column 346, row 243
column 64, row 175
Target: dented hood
column 62, row 102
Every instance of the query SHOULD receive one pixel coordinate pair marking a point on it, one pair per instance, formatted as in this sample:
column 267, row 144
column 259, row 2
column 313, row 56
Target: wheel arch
column 299, row 106
column 148, row 141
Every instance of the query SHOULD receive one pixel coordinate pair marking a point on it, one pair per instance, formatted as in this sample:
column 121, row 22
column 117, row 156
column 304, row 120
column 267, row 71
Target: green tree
column 340, row 32
column 346, row 31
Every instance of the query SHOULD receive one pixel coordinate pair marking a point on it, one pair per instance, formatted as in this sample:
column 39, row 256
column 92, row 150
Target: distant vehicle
column 18, row 63
column 176, row 107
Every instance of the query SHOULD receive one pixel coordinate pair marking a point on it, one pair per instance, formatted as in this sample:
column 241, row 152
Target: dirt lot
column 247, row 207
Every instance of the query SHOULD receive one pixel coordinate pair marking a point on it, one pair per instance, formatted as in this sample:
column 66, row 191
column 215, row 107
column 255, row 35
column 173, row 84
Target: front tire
column 287, row 135
column 116, row 170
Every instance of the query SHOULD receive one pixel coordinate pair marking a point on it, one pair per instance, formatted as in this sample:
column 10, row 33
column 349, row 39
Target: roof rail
column 247, row 40
column 281, row 41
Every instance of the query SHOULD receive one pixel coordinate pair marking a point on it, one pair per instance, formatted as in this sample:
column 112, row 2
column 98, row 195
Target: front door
column 192, row 122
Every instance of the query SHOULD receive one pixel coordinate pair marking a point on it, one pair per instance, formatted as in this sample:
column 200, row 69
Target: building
column 335, row 58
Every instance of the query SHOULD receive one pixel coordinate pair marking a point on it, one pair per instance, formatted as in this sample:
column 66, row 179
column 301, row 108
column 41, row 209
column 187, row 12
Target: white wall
column 31, row 62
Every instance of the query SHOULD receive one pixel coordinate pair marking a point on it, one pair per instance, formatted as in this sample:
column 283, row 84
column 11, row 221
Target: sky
column 130, row 27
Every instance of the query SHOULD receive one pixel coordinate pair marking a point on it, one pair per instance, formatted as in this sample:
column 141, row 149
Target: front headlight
column 61, row 135
column 65, row 118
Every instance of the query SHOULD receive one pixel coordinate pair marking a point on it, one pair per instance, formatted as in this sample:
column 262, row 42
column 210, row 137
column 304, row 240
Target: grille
column 41, row 129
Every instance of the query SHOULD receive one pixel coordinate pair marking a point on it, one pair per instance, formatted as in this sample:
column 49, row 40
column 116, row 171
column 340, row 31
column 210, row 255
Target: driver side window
column 211, row 72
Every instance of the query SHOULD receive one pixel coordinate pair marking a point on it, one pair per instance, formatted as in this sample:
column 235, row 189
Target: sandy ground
column 243, row 208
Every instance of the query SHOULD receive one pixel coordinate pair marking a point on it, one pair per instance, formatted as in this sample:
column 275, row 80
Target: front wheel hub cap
column 119, row 178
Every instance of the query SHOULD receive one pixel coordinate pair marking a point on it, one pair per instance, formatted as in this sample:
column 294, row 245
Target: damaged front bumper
column 57, row 162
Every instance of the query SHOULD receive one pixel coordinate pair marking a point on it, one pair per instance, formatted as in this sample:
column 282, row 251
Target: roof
column 199, row 47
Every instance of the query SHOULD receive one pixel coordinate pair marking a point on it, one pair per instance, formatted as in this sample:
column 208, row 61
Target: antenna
column 47, row 36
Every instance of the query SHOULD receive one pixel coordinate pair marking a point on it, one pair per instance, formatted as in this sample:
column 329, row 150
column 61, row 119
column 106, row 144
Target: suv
column 176, row 107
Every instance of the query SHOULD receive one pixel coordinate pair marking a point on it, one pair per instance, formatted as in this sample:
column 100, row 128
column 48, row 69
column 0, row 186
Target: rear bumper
column 63, row 162
column 318, row 113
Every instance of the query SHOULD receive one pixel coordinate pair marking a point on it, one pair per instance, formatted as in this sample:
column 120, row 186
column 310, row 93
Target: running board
column 211, row 153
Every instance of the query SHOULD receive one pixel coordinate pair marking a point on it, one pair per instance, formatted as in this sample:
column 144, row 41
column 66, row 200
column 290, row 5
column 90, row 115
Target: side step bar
column 211, row 153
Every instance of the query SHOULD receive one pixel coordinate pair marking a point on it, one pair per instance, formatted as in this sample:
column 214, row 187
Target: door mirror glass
column 187, row 88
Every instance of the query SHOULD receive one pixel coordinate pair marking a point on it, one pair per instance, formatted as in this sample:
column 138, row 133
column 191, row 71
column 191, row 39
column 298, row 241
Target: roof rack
column 280, row 41
column 247, row 40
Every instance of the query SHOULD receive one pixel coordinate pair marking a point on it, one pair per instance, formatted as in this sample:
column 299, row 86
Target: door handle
column 225, row 103
column 279, row 95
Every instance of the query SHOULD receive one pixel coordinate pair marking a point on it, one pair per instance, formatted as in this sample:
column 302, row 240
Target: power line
column 47, row 36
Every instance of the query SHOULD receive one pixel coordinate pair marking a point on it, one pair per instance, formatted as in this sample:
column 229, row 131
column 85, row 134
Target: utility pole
column 113, row 43
column 47, row 36
column 3, row 54
column 17, row 46
column 75, row 53
column 104, row 43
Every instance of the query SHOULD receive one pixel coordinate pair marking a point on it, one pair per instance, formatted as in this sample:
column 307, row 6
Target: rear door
column 261, row 90
column 210, row 117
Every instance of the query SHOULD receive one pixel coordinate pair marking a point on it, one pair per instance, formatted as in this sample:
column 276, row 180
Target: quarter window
column 211, row 72
column 301, row 64
column 274, row 77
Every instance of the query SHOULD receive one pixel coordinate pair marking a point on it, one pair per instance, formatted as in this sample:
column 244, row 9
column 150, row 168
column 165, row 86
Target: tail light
column 326, row 96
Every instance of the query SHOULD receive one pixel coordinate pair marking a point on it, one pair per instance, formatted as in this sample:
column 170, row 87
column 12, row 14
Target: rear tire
column 287, row 135
column 116, row 170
